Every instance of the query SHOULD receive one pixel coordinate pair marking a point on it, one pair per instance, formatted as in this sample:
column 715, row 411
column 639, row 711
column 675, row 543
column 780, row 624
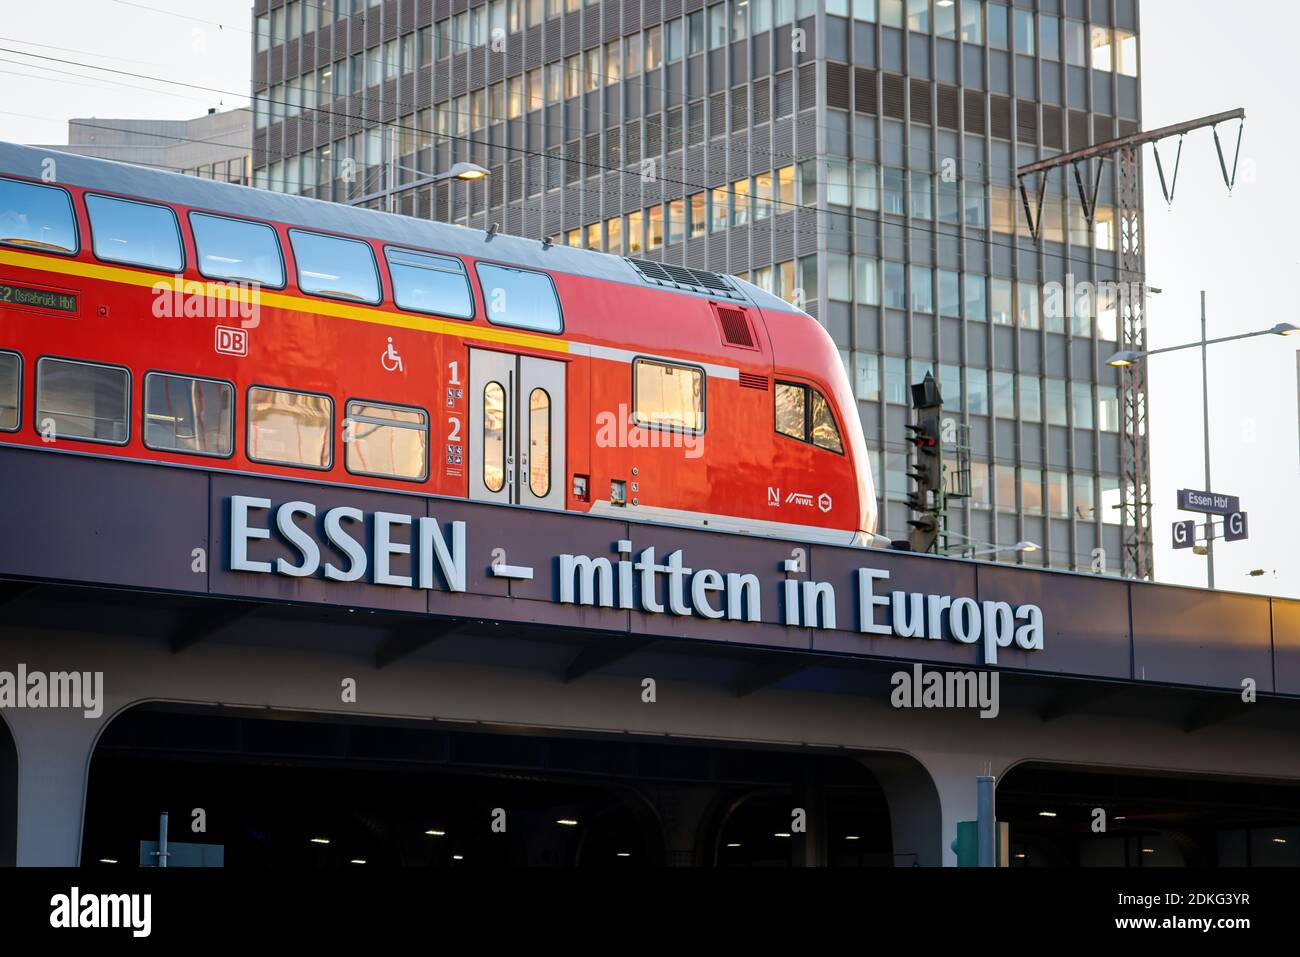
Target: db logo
column 824, row 502
column 232, row 342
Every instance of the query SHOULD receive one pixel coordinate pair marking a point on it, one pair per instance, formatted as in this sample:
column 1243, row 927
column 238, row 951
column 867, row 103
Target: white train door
column 516, row 429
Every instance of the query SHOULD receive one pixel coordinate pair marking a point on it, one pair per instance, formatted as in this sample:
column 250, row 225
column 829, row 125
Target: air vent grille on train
column 748, row 380
column 690, row 280
column 735, row 328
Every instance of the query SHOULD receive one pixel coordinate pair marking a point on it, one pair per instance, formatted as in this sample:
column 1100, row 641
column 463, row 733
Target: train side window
column 388, row 441
column 803, row 413
column 83, row 400
column 825, row 433
column 37, row 217
column 494, row 436
column 423, row 282
column 334, row 267
column 290, row 428
column 237, row 250
column 520, row 298
column 667, row 396
column 11, row 390
column 791, row 410
column 185, row 414
column 137, row 234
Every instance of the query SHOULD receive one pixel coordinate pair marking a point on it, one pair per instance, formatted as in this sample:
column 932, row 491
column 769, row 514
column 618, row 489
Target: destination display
column 26, row 296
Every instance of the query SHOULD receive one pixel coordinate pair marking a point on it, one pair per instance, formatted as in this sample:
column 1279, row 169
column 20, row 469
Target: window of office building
column 1004, row 487
column 839, row 277
column 1108, row 408
column 1024, row 32
column 977, row 390
column 1058, row 494
column 1027, row 305
column 1031, row 402
column 949, row 293
column 1000, row 301
column 867, row 275
column 1056, row 405
column 896, row 379
column 1004, row 395
column 1081, row 404
column 976, row 294
column 895, row 289
column 922, row 289
column 1031, row 491
column 867, row 376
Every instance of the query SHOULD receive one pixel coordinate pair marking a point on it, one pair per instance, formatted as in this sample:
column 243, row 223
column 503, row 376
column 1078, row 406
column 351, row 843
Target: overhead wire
column 876, row 220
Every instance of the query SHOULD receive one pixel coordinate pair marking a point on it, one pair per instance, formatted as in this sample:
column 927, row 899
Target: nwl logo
column 799, row 498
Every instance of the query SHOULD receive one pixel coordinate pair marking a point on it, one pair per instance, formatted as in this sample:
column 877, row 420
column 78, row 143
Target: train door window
column 388, row 441
column 185, row 414
column 11, row 378
column 137, row 234
column 290, row 428
column 520, row 298
column 668, row 396
column 494, row 436
column 539, row 442
column 83, row 400
column 791, row 411
column 423, row 282
column 334, row 267
column 37, row 217
column 237, row 250
column 803, row 413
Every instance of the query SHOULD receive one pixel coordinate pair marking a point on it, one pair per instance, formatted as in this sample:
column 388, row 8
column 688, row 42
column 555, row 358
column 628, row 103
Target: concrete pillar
column 683, row 813
column 915, row 816
column 954, row 778
column 928, row 793
column 53, row 748
column 8, row 797
column 810, row 794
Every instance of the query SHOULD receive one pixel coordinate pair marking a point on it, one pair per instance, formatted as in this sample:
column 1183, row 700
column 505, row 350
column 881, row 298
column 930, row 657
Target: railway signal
column 926, row 500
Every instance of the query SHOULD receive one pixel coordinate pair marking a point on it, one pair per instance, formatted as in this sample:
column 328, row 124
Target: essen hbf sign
column 346, row 544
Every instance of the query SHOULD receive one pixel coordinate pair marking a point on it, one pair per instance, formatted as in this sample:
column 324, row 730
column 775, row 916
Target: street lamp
column 1121, row 359
column 1128, row 358
column 460, row 171
column 1025, row 547
column 970, row 547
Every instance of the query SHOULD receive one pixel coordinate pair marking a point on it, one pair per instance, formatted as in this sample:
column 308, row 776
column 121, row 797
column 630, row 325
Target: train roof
column 185, row 190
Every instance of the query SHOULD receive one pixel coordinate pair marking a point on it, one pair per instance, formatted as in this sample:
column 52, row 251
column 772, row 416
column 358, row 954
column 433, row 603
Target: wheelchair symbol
column 389, row 358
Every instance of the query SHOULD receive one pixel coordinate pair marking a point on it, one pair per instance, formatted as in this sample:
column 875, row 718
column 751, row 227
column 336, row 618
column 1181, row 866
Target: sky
column 1241, row 248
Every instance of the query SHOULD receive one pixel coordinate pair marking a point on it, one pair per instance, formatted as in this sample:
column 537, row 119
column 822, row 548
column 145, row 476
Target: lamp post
column 463, row 171
column 1121, row 359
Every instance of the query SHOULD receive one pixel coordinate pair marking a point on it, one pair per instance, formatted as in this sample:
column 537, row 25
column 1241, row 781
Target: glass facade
column 856, row 158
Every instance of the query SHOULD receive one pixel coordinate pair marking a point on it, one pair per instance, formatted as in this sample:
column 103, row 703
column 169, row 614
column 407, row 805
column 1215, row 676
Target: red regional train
column 184, row 322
